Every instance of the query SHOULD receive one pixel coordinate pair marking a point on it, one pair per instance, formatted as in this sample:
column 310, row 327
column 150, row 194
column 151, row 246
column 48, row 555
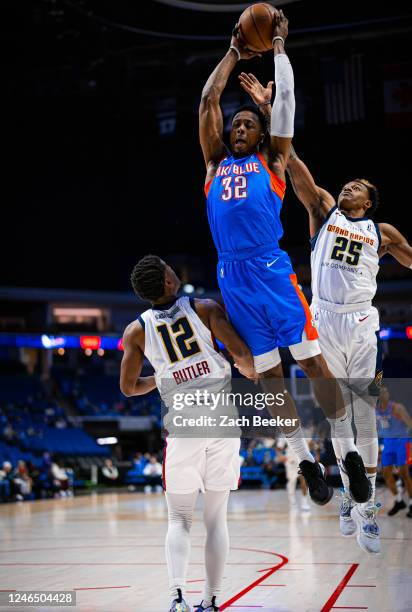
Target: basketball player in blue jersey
column 245, row 189
column 346, row 246
column 395, row 429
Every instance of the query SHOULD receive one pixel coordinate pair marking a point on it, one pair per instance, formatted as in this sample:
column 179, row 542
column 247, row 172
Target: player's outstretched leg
column 329, row 397
column 313, row 472
column 180, row 512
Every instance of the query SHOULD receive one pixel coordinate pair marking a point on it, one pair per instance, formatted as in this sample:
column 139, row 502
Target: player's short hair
column 373, row 194
column 148, row 278
column 252, row 109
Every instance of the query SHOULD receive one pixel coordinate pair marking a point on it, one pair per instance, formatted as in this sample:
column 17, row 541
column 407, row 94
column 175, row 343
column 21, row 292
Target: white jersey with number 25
column 345, row 259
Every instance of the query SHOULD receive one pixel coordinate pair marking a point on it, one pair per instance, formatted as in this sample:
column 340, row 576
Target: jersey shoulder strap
column 314, row 238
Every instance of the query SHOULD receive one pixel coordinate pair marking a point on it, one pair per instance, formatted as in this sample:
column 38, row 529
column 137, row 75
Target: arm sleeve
column 283, row 110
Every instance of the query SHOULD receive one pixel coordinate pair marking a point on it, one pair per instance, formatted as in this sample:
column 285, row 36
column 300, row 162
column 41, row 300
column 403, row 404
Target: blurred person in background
column 153, row 473
column 110, row 473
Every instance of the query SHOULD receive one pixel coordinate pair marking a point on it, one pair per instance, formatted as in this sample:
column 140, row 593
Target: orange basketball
column 256, row 26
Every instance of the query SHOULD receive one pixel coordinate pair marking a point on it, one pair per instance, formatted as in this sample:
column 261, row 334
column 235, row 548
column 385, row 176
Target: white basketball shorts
column 201, row 464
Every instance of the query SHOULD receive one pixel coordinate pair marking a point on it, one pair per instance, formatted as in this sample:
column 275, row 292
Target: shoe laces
column 369, row 514
column 346, row 503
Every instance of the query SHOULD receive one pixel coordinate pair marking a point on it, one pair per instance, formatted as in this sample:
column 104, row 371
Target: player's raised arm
column 130, row 381
column 213, row 314
column 396, row 244
column 210, row 113
column 316, row 200
column 283, row 110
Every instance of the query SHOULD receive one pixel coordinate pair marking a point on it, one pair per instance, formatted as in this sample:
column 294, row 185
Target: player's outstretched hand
column 280, row 25
column 255, row 89
column 240, row 45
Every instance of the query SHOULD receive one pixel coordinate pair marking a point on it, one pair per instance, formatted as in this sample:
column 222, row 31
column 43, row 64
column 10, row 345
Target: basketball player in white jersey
column 177, row 336
column 346, row 247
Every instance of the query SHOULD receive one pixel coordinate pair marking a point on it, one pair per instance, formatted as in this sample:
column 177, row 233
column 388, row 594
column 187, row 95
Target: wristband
column 278, row 38
column 237, row 51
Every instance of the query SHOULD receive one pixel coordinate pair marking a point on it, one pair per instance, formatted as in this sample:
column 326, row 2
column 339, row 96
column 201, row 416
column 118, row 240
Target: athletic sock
column 299, row 445
column 341, row 428
column 344, row 476
column 371, row 501
column 398, row 497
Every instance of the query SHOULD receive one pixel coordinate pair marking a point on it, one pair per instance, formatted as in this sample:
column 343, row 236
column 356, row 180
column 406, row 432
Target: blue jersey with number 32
column 244, row 200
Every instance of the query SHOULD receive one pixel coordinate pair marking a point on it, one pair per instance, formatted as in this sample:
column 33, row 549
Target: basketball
column 256, row 26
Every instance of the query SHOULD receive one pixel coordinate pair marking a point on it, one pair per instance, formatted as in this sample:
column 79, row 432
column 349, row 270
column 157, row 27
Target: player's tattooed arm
column 396, row 244
column 131, row 383
column 214, row 317
column 316, row 200
column 210, row 113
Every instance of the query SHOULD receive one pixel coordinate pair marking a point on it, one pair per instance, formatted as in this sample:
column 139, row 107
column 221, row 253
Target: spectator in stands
column 9, row 434
column 60, row 480
column 110, row 473
column 22, row 481
column 153, row 473
column 6, row 481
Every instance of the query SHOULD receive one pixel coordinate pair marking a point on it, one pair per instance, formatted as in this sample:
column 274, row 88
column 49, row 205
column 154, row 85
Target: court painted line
column 330, row 604
column 100, row 588
column 267, row 573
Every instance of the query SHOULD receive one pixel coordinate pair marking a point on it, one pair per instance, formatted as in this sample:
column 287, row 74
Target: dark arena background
column 101, row 166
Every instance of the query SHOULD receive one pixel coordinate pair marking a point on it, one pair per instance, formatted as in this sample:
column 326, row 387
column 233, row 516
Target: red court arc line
column 100, row 588
column 257, row 582
column 201, row 580
column 329, row 605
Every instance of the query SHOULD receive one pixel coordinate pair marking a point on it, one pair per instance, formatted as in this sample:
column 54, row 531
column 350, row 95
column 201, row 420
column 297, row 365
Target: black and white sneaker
column 359, row 484
column 314, row 475
column 179, row 604
column 398, row 505
column 211, row 608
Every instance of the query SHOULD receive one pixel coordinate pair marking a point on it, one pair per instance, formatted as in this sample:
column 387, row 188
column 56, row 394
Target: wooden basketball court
column 110, row 549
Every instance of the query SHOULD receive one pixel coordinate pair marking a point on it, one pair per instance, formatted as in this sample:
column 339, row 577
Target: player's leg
column 272, row 382
column 180, row 508
column 305, row 506
column 406, row 477
column 329, row 396
column 388, row 459
column 364, row 370
column 216, row 548
column 184, row 466
column 221, row 476
column 365, row 374
column 292, row 478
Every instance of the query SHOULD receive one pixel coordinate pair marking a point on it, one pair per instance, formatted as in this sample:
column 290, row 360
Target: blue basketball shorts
column 396, row 451
column 267, row 307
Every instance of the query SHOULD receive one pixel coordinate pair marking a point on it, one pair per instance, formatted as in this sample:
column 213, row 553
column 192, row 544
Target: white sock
column 398, row 497
column 180, row 508
column 299, row 445
column 371, row 501
column 217, row 541
column 341, row 429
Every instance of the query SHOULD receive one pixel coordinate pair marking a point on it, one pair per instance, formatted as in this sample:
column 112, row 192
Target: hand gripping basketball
column 237, row 44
